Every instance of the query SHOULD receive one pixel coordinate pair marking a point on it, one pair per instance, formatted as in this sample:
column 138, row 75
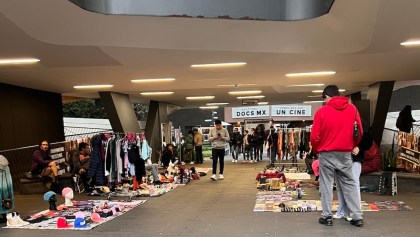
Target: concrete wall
column 28, row 116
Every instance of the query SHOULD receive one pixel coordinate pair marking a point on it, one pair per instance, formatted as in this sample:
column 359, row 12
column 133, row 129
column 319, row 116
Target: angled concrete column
column 379, row 95
column 120, row 112
column 158, row 114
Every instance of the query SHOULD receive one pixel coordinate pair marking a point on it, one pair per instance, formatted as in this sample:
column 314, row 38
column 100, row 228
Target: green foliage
column 95, row 109
column 389, row 160
column 84, row 109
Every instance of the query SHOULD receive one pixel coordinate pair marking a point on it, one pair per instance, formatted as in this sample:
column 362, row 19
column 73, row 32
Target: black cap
column 331, row 91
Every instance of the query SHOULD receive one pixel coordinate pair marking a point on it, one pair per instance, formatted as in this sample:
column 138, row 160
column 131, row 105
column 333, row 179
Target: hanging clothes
column 6, row 185
column 96, row 167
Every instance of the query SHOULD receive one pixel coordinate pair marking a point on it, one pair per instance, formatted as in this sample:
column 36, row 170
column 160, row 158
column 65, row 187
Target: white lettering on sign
column 56, row 150
column 291, row 110
column 249, row 112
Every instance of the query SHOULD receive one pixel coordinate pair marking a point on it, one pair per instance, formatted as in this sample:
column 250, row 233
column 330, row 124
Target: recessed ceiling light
column 220, row 103
column 320, row 91
column 410, row 43
column 253, row 92
column 262, row 103
column 19, row 61
column 210, row 97
column 157, row 93
column 153, row 80
column 208, row 107
column 92, row 86
column 212, row 65
column 208, row 120
column 237, row 85
column 320, row 84
column 314, row 96
column 250, row 97
column 313, row 101
column 302, row 74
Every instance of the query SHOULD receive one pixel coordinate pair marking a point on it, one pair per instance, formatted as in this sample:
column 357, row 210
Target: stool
column 388, row 183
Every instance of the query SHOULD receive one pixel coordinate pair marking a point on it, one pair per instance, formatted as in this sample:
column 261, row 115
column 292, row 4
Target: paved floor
column 225, row 208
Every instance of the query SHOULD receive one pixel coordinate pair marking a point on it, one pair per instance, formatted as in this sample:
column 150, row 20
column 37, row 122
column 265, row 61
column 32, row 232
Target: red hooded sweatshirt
column 333, row 126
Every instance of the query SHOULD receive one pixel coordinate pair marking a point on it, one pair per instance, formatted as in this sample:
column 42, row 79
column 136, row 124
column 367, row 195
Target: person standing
column 246, row 139
column 273, row 139
column 218, row 137
column 198, row 142
column 405, row 120
column 189, row 147
column 253, row 145
column 236, row 145
column 333, row 139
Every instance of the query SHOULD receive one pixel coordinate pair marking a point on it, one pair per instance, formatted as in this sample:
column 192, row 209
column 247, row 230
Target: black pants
column 199, row 154
column 85, row 180
column 218, row 153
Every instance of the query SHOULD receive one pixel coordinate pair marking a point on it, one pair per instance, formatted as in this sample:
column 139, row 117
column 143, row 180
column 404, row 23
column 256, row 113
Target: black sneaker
column 326, row 221
column 358, row 223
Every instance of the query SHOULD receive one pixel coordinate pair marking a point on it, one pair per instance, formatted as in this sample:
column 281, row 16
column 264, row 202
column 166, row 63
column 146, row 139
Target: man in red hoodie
column 333, row 139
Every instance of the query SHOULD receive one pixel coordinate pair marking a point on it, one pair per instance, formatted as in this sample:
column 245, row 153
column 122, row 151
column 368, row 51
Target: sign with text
column 291, row 110
column 251, row 112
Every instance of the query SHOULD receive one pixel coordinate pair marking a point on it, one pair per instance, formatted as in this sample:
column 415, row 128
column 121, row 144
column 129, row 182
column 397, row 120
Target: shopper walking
column 236, row 145
column 218, row 137
column 333, row 139
column 198, row 144
column 246, row 140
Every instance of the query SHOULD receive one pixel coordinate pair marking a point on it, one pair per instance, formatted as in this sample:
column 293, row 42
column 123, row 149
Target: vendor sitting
column 169, row 155
column 81, row 164
column 42, row 164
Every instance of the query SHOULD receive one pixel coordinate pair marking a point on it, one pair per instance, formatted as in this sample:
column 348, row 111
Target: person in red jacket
column 333, row 138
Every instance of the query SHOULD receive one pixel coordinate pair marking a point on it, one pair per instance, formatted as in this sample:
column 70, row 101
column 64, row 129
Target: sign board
column 251, row 112
column 250, row 102
column 408, row 156
column 291, row 110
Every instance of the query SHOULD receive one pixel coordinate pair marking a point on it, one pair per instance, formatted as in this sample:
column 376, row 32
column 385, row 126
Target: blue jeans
column 218, row 154
column 342, row 207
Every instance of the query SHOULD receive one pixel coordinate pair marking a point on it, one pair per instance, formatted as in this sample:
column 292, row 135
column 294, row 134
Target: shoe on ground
column 236, row 161
column 358, row 223
column 251, row 161
column 192, row 162
column 11, row 220
column 348, row 218
column 326, row 221
column 213, row 177
column 221, row 176
column 19, row 220
column 338, row 216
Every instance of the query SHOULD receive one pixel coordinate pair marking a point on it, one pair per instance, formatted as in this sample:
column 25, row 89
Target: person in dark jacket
column 42, row 163
column 358, row 158
column 236, row 145
column 405, row 120
column 81, row 160
column 169, row 155
column 272, row 140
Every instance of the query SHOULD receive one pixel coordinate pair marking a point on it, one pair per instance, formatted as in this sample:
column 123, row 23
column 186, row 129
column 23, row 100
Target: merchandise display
column 83, row 215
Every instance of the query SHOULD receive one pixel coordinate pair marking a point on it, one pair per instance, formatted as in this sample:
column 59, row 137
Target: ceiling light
column 320, row 91
column 215, row 117
column 314, row 96
column 245, row 92
column 208, row 120
column 153, row 80
column 320, row 84
column 250, row 97
column 200, row 97
column 237, row 85
column 221, row 103
column 212, row 65
column 313, row 101
column 157, row 93
column 302, row 74
column 262, row 103
column 19, row 61
column 92, row 86
column 410, row 43
column 208, row 107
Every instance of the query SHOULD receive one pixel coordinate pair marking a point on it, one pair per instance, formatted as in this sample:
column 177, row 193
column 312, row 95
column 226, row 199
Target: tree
column 93, row 108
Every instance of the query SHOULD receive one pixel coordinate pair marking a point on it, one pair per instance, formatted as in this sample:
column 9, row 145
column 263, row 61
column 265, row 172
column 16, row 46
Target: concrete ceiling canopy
column 272, row 10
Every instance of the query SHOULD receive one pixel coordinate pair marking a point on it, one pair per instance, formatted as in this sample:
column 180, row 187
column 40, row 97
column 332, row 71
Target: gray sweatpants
column 338, row 164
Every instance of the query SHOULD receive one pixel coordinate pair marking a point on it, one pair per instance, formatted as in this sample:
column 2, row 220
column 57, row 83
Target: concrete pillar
column 158, row 114
column 120, row 112
column 379, row 95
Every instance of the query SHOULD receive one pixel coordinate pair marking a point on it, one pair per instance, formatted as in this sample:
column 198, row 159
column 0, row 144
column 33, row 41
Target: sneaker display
column 221, row 176
column 11, row 221
column 213, row 177
column 19, row 220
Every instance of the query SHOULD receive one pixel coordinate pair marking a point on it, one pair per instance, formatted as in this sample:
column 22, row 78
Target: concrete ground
column 225, row 208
